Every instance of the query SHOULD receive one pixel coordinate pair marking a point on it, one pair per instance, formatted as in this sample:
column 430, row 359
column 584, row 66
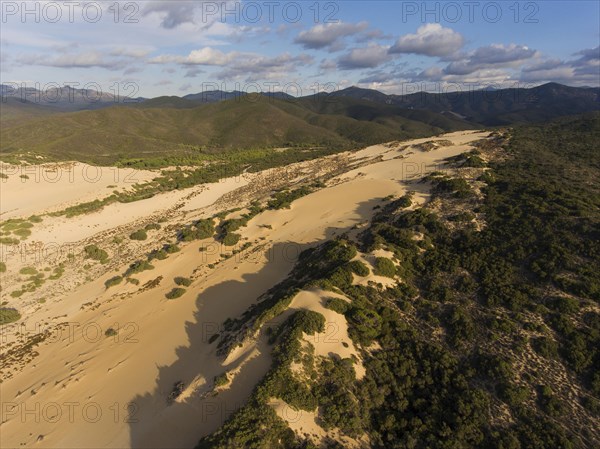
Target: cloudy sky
column 153, row 48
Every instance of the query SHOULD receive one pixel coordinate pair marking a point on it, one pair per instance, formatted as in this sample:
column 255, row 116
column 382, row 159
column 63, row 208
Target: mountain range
column 110, row 128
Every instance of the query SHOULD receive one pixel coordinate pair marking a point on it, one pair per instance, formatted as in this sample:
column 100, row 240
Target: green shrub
column 186, row 282
column 284, row 199
column 341, row 278
column 221, row 380
column 384, row 267
column 2, row 267
column 110, row 332
column 57, row 272
column 140, row 234
column 9, row 315
column 458, row 186
column 337, row 305
column 28, row 271
column 205, row 227
column 23, row 233
column 359, row 268
column 545, row 347
column 404, row 201
column 138, row 266
column 171, row 248
column 231, row 239
column 549, row 402
column 175, row 293
column 115, row 280
column 95, row 253
column 9, row 241
column 592, row 405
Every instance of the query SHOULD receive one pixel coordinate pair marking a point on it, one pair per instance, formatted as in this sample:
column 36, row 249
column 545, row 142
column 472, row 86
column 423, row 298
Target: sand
column 128, row 378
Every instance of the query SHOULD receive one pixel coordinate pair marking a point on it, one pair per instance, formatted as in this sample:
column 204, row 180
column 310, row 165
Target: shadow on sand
column 197, row 412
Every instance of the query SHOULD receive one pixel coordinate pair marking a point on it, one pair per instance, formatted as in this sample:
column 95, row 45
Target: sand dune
column 86, row 390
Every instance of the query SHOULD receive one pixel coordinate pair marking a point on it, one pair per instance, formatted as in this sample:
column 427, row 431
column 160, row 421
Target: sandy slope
column 52, row 187
column 161, row 342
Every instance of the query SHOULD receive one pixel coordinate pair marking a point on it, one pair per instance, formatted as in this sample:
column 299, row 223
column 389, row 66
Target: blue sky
column 154, row 48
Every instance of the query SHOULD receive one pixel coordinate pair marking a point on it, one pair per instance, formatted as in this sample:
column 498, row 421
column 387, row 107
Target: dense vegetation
column 470, row 342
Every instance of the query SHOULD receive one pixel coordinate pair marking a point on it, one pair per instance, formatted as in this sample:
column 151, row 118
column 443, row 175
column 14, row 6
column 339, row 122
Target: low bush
column 175, row 293
column 221, row 380
column 186, row 282
column 359, row 268
column 115, row 280
column 140, row 234
column 384, row 267
column 138, row 267
column 337, row 305
column 9, row 315
column 28, row 271
column 95, row 253
column 231, row 239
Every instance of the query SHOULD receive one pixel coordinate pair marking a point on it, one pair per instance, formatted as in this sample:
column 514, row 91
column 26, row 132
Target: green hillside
column 168, row 126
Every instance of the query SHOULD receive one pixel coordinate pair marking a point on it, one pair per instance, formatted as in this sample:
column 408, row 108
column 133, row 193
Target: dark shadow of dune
column 198, row 412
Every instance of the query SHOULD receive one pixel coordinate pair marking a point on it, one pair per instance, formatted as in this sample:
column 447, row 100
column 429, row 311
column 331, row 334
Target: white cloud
column 328, row 35
column 431, row 39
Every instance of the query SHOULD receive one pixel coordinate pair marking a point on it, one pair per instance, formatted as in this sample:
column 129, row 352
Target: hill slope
column 491, row 108
column 110, row 134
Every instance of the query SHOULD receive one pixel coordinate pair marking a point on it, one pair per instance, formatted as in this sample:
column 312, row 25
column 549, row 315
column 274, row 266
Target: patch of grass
column 2, row 267
column 152, row 227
